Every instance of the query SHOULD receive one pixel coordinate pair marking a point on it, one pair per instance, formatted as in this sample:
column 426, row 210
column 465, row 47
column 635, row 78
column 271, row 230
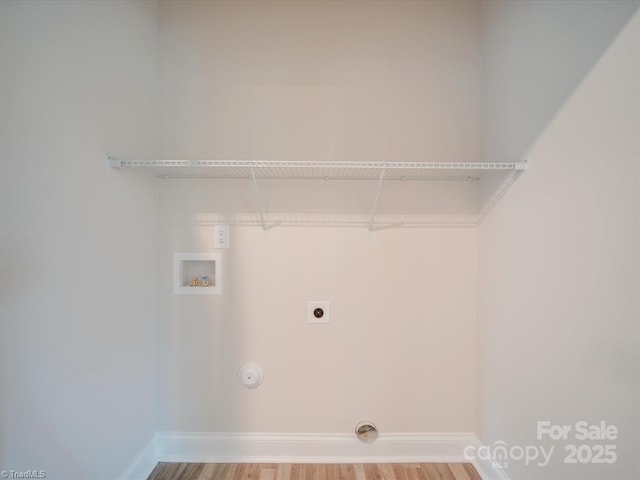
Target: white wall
column 559, row 274
column 78, row 255
column 349, row 80
column 379, row 81
column 399, row 301
column 534, row 54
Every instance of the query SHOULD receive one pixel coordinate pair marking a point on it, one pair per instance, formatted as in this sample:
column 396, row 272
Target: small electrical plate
column 318, row 312
column 221, row 236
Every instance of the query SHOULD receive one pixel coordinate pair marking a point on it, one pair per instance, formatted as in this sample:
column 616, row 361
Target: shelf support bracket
column 375, row 200
column 498, row 194
column 258, row 198
column 113, row 163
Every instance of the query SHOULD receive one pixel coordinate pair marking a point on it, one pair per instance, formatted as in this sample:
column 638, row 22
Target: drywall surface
column 332, row 81
column 534, row 55
column 400, row 348
column 78, row 276
column 559, row 281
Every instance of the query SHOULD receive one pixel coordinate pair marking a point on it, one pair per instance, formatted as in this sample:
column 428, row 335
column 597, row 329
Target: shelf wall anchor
column 114, row 163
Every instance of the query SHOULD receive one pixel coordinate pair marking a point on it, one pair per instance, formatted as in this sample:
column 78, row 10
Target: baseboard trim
column 310, row 448
column 143, row 464
column 205, row 447
column 485, row 468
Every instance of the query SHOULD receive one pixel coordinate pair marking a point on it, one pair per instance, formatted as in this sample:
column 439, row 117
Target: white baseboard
column 143, row 464
column 306, row 448
column 489, row 472
column 485, row 468
column 311, row 448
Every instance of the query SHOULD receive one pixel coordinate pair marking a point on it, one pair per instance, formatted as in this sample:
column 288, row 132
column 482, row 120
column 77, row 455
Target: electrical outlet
column 221, row 236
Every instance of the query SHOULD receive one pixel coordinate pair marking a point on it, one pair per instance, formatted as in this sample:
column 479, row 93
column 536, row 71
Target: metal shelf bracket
column 375, row 201
column 498, row 194
column 256, row 190
column 114, row 163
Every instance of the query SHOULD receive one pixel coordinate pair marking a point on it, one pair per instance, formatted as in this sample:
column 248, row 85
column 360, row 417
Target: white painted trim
column 143, row 464
column 485, row 468
column 306, row 448
column 311, row 448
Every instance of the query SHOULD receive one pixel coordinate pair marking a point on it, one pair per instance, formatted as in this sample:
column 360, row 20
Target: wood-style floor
column 358, row 471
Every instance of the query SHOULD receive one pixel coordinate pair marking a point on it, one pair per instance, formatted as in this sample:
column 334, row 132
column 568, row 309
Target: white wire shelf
column 314, row 170
column 492, row 180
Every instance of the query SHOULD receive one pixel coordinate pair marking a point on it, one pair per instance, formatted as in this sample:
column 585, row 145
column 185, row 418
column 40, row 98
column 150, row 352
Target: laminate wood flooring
column 287, row 471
